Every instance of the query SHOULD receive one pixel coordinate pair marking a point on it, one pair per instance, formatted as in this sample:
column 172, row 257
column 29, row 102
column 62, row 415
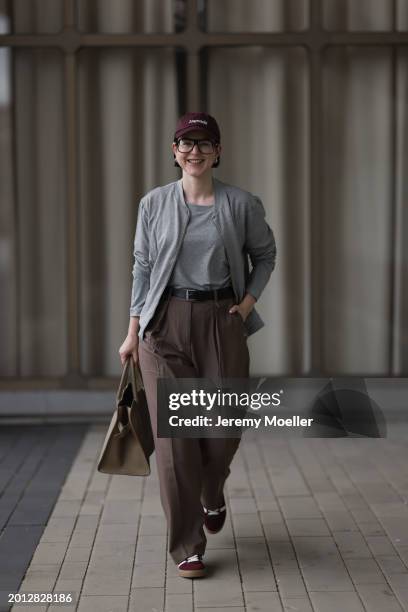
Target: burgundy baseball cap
column 198, row 121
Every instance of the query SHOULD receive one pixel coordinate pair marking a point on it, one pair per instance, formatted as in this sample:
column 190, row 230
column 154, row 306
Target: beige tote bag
column 129, row 441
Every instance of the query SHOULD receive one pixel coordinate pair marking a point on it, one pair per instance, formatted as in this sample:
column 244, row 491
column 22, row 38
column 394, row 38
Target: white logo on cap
column 198, row 121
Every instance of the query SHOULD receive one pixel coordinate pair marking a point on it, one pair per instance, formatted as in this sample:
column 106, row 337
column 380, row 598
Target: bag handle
column 130, row 374
column 135, row 377
column 123, row 380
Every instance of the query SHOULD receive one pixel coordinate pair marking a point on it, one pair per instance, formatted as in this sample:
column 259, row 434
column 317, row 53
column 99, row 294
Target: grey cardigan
column 161, row 223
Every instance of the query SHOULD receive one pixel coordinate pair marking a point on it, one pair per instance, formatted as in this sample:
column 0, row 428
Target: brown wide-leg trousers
column 191, row 339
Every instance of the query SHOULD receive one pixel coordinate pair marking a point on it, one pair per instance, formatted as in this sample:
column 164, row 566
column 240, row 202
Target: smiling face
column 196, row 163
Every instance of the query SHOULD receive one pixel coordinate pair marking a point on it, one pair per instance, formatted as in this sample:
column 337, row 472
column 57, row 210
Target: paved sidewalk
column 313, row 524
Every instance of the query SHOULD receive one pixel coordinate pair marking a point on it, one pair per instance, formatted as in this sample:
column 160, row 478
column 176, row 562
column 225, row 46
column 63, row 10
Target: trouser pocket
column 156, row 322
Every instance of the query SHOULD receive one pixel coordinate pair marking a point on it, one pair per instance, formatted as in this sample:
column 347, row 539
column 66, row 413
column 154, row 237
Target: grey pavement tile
column 106, row 555
column 316, row 551
column 232, row 609
column 152, row 525
column 307, row 527
column 78, row 553
column 299, row 507
column 212, row 592
column 175, row 584
column 321, row 564
column 371, row 529
column 297, row 604
column 402, row 596
column 242, row 505
column 264, row 503
column 327, row 579
column 58, row 529
column 330, row 501
column 287, row 480
column 221, row 565
column 363, row 515
column 377, row 492
column 19, row 608
column 109, row 603
column 351, row 545
column 247, row 525
column 151, row 506
column 252, row 549
column 336, row 602
column 125, row 488
column 108, row 582
column 390, row 509
column 403, row 552
column 257, row 575
column 340, row 520
column 283, row 556
column 380, row 545
column 262, row 490
column 86, row 522
column 377, row 598
column 83, row 537
column 49, row 552
column 391, row 564
column 8, row 503
column 121, row 511
column 148, row 575
column 399, row 580
column 364, row 571
column 274, row 527
column 151, row 542
column 16, row 548
column 66, row 508
column 146, row 600
column 236, row 488
column 179, row 602
column 271, row 517
column 33, row 510
column 396, row 529
column 68, row 585
column 290, row 583
column 73, row 570
column 150, row 556
column 116, row 532
column 262, row 602
column 40, row 580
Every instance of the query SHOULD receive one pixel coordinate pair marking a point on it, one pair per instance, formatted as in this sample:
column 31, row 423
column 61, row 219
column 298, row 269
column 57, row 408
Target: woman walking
column 192, row 308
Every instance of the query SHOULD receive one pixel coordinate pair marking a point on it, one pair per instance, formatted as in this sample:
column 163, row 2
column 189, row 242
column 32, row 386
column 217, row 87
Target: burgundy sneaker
column 192, row 567
column 214, row 519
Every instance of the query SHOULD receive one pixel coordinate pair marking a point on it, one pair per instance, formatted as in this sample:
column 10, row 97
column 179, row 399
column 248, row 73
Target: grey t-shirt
column 202, row 262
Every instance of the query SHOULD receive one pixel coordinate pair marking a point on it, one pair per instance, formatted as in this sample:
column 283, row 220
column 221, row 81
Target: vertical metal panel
column 73, row 377
column 16, row 262
column 193, row 58
column 315, row 338
column 69, row 13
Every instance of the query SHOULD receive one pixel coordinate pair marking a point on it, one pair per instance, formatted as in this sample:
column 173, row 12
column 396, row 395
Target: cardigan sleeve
column 261, row 247
column 141, row 265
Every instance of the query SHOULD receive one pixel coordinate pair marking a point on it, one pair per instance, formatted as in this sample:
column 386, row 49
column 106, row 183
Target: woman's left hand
column 244, row 307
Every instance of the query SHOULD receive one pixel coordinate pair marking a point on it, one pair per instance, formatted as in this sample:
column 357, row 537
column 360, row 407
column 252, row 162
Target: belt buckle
column 188, row 291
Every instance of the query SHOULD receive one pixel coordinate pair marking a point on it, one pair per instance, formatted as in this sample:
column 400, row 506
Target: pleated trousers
column 191, row 339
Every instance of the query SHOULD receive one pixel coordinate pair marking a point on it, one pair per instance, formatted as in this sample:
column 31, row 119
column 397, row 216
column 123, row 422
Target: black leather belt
column 198, row 295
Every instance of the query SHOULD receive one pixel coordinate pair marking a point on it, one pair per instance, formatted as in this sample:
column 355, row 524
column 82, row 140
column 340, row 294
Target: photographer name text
column 267, row 421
